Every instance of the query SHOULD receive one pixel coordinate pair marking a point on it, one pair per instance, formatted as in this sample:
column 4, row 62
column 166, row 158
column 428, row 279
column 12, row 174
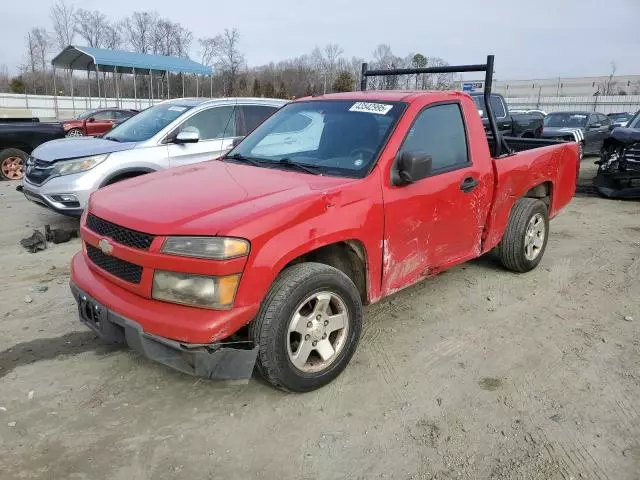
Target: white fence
column 43, row 106
column 601, row 104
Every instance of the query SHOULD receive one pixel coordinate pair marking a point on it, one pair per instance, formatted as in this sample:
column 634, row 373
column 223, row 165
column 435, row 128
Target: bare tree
column 64, row 23
column 230, row 60
column 209, row 49
column 113, row 38
column 91, row 26
column 609, row 86
column 42, row 43
column 139, row 30
column 332, row 53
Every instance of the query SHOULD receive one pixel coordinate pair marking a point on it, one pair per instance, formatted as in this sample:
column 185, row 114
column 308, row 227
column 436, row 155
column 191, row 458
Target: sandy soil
column 476, row 374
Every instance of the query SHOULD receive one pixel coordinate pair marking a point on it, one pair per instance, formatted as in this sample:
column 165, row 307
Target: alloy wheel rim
column 12, row 168
column 534, row 237
column 317, row 332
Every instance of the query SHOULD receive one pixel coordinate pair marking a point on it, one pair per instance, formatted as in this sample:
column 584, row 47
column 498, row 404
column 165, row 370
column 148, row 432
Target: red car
column 96, row 122
column 268, row 256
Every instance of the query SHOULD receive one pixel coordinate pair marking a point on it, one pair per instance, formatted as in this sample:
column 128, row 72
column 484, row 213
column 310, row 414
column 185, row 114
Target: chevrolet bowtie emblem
column 105, row 246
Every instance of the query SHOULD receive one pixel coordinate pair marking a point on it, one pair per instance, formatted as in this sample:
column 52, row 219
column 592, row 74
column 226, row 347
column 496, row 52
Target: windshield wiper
column 253, row 161
column 113, row 139
column 312, row 169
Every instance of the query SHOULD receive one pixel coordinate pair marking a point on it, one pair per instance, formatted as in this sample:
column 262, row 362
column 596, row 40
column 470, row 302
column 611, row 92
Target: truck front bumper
column 216, row 361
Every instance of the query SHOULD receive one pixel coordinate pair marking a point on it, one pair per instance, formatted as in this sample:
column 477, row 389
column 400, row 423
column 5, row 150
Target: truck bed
column 519, row 144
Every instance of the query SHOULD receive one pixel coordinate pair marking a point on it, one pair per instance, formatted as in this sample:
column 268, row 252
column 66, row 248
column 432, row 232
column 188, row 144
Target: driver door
column 216, row 127
column 100, row 123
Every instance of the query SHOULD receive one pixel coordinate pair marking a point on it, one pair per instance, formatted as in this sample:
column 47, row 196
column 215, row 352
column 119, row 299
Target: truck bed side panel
column 517, row 174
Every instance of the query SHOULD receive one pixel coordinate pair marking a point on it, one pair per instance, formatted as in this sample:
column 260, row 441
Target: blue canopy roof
column 86, row 58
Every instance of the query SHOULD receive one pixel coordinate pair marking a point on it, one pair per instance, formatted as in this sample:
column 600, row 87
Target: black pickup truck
column 18, row 138
column 525, row 125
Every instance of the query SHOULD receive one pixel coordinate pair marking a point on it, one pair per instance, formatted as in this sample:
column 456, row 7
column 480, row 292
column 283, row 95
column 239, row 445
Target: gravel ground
column 476, row 374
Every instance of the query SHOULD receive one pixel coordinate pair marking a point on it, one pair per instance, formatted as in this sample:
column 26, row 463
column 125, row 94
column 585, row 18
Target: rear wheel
column 12, row 161
column 75, row 132
column 525, row 238
column 308, row 327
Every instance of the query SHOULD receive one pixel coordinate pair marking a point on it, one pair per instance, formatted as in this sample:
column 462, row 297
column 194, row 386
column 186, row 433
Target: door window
column 216, row 122
column 439, row 132
column 104, row 116
column 604, row 120
column 254, row 115
column 593, row 119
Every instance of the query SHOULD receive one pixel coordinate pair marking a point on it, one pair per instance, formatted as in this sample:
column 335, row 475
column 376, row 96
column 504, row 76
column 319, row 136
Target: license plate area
column 92, row 313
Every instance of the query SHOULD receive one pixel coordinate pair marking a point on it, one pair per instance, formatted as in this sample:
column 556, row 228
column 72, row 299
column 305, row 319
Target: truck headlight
column 217, row 248
column 77, row 165
column 195, row 290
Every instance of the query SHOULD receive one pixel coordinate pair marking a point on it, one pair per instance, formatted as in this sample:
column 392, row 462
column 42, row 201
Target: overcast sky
column 530, row 38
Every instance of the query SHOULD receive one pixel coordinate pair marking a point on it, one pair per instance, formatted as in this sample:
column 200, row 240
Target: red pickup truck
column 267, row 256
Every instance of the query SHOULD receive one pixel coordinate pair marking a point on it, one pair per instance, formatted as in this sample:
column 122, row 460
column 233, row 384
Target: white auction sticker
column 177, row 109
column 366, row 107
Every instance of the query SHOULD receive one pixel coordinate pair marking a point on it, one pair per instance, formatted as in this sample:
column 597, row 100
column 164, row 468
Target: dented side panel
column 432, row 224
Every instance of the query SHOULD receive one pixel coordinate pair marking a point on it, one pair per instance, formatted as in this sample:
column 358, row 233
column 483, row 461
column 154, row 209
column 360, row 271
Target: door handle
column 468, row 184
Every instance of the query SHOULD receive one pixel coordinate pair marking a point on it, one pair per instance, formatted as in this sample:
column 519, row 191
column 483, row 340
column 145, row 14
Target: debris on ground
column 59, row 235
column 35, row 242
column 38, row 241
column 28, row 299
column 11, row 424
column 628, row 318
column 31, row 394
column 41, row 287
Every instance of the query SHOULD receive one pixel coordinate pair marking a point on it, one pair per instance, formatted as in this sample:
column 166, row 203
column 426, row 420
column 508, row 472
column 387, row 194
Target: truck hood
column 77, row 147
column 206, row 198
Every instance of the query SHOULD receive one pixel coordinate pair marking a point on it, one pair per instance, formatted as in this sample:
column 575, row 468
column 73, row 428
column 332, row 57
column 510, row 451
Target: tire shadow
column 74, row 343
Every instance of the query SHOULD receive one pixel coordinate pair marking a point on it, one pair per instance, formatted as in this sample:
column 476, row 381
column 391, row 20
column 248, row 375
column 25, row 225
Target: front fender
column 352, row 214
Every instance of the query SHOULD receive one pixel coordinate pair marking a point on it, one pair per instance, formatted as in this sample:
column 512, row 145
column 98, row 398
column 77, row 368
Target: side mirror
column 91, row 119
column 236, row 142
column 187, row 136
column 411, row 167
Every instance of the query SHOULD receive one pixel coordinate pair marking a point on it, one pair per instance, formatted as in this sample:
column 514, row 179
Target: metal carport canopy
column 87, row 58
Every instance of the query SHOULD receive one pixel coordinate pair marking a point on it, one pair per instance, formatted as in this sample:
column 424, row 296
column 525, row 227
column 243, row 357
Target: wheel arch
column 124, row 174
column 349, row 256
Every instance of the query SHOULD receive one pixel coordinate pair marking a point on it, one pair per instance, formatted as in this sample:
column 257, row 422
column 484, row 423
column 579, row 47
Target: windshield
column 333, row 137
column 562, row 120
column 147, row 123
column 496, row 105
column 86, row 114
column 635, row 121
column 619, row 116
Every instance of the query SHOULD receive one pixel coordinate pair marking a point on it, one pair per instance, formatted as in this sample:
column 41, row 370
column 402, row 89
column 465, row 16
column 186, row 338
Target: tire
column 512, row 250
column 12, row 162
column 271, row 328
column 75, row 132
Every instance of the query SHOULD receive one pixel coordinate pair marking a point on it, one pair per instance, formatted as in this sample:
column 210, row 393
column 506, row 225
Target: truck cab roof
column 407, row 96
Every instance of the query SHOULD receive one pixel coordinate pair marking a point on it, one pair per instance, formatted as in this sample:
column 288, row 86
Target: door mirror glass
column 91, row 119
column 187, row 136
column 411, row 167
column 236, row 141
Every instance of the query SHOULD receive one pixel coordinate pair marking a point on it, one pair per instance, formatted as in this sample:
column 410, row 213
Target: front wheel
column 75, row 132
column 525, row 238
column 308, row 327
column 12, row 161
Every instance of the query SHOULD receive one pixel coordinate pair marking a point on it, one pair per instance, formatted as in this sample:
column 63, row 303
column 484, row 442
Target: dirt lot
column 478, row 373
